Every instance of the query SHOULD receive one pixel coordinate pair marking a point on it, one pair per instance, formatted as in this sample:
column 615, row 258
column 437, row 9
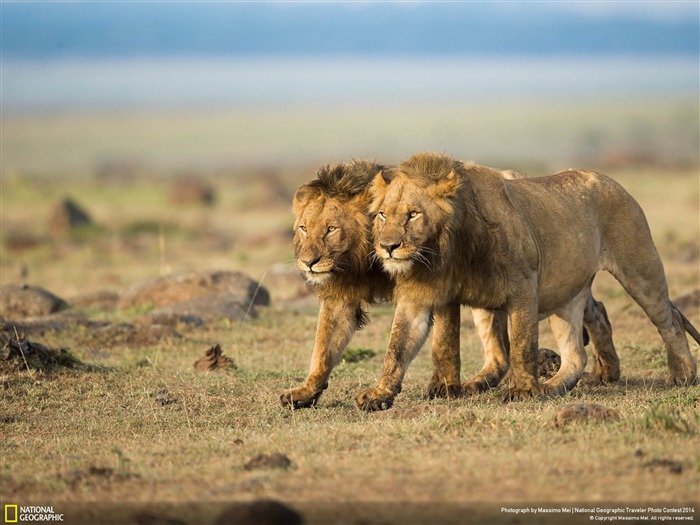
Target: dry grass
column 152, row 430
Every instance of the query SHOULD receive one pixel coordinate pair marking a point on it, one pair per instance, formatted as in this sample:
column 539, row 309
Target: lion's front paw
column 549, row 389
column 301, row 397
column 444, row 390
column 515, row 393
column 479, row 384
column 375, row 399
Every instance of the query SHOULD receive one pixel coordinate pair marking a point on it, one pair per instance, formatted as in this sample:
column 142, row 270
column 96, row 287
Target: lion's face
column 408, row 223
column 330, row 237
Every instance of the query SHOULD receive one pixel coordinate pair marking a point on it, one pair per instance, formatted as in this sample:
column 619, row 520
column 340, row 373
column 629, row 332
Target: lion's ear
column 301, row 199
column 447, row 187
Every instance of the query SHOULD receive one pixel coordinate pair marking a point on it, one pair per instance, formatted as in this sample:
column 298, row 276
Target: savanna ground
column 149, row 432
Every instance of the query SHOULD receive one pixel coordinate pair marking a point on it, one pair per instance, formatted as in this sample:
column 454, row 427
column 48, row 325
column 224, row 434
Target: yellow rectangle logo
column 9, row 513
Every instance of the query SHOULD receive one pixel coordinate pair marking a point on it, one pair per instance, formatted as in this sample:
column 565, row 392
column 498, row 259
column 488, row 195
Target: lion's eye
column 382, row 215
column 332, row 229
column 413, row 215
column 302, row 228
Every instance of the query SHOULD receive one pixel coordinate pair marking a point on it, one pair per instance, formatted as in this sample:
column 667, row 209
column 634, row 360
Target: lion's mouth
column 315, row 277
column 394, row 265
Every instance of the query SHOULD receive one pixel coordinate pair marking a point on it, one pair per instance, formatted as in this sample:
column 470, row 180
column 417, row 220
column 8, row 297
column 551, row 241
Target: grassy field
column 149, row 432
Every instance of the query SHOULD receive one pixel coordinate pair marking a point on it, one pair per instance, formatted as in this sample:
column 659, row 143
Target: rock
column 18, row 301
column 287, row 286
column 584, row 413
column 173, row 289
column 261, row 512
column 67, row 216
column 191, row 190
column 206, row 309
column 214, row 359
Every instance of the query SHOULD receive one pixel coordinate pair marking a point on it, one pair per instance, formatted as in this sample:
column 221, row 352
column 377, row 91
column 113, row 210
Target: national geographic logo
column 29, row 514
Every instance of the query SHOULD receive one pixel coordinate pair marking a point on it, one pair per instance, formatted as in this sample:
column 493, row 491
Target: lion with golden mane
column 333, row 249
column 527, row 248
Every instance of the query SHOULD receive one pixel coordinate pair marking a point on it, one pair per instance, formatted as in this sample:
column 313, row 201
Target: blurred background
column 190, row 124
column 225, row 84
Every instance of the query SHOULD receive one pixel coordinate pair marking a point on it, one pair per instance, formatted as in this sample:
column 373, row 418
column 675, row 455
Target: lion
column 332, row 244
column 527, row 248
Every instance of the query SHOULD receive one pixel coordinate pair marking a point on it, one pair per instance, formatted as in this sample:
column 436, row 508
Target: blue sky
column 95, row 29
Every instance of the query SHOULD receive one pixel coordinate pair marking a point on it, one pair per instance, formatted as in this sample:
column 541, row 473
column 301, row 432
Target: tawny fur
column 527, row 247
column 332, row 245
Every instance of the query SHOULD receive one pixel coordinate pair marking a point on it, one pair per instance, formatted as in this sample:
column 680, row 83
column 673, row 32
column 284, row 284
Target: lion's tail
column 688, row 326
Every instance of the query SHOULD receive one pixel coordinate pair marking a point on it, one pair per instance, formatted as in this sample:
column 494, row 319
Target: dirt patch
column 19, row 301
column 21, row 354
column 214, row 360
column 576, row 413
column 269, row 461
column 261, row 512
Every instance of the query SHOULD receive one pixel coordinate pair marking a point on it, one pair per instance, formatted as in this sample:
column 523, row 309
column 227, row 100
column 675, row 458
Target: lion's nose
column 310, row 262
column 390, row 247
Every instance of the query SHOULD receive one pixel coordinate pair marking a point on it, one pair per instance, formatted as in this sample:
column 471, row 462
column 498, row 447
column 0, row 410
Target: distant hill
column 83, row 29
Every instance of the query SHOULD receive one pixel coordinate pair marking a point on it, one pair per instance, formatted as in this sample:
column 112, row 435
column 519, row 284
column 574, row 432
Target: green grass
column 153, row 430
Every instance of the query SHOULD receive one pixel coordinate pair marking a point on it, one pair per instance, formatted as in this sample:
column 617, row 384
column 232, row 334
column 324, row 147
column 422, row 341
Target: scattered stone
column 191, row 190
column 584, row 413
column 66, row 217
column 18, row 301
column 172, row 289
column 268, row 461
column 214, row 359
column 261, row 512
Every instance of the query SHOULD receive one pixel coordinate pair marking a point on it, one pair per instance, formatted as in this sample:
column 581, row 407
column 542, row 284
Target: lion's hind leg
column 493, row 331
column 644, row 279
column 606, row 363
column 567, row 327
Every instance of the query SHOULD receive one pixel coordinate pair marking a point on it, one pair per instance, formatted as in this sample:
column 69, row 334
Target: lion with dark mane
column 528, row 248
column 333, row 248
